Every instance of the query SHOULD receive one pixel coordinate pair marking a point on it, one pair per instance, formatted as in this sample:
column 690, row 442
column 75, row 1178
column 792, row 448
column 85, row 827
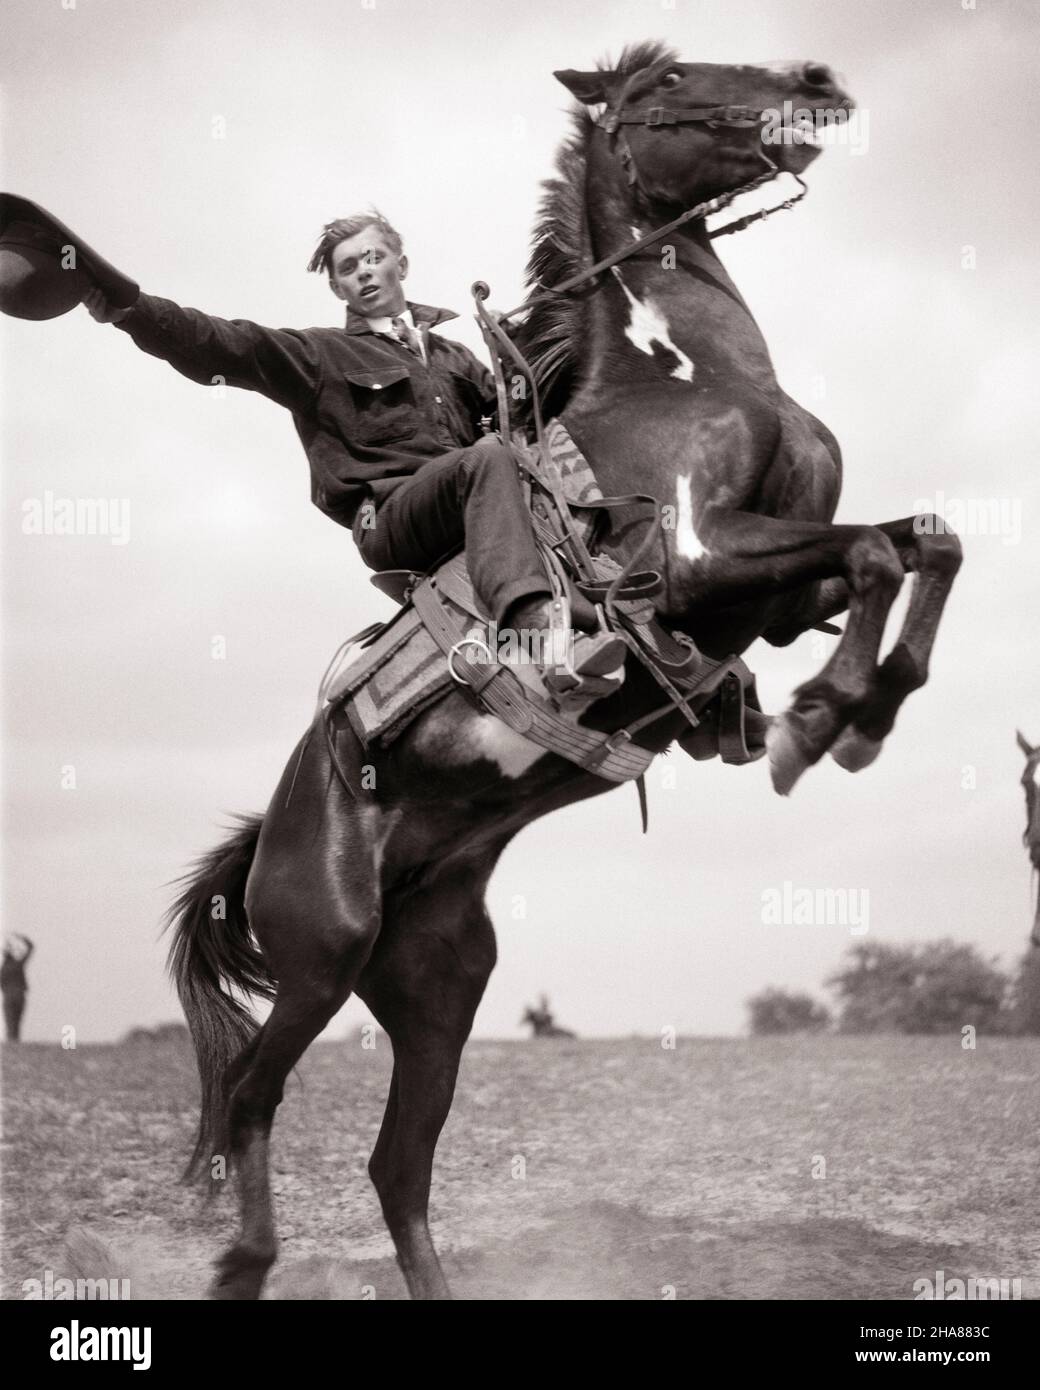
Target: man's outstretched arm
column 280, row 363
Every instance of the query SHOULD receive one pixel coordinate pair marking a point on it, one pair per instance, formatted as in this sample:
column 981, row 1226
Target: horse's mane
column 560, row 248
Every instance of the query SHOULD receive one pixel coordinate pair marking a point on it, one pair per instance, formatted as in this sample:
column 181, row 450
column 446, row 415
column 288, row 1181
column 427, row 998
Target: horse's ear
column 1024, row 745
column 589, row 87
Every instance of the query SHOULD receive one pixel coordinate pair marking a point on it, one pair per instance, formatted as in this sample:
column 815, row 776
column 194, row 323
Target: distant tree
column 930, row 987
column 779, row 1011
column 1024, row 1009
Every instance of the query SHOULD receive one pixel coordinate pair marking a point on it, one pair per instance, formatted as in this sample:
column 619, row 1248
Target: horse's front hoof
column 788, row 757
column 854, row 751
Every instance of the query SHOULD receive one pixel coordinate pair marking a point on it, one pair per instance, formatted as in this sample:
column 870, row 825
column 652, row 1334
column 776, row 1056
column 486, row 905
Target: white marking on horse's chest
column 1036, row 775
column 687, row 541
column 647, row 325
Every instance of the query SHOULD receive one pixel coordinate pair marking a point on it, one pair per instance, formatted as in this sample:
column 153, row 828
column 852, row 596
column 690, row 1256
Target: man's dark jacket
column 368, row 411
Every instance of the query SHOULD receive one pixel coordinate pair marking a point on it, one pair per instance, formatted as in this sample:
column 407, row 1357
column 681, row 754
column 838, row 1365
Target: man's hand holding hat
column 46, row 269
column 102, row 309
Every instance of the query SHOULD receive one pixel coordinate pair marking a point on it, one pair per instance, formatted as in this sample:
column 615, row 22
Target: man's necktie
column 404, row 334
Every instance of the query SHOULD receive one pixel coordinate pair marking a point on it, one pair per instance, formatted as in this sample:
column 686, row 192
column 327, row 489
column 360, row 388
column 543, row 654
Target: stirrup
column 598, row 668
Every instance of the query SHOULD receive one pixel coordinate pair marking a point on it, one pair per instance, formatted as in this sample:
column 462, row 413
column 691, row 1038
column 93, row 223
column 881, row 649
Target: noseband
column 656, row 116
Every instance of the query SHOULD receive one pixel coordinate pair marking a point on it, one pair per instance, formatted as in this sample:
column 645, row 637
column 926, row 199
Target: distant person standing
column 14, row 986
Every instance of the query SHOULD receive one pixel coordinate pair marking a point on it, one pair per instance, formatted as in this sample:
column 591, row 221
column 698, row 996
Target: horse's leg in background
column 423, row 983
column 933, row 555
column 313, row 902
column 745, row 555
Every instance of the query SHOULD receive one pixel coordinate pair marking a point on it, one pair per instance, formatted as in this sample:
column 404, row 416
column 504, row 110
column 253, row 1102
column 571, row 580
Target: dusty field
column 644, row 1169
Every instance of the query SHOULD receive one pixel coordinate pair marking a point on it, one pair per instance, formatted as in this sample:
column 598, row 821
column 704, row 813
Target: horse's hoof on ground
column 854, row 751
column 239, row 1277
column 787, row 756
column 237, row 1289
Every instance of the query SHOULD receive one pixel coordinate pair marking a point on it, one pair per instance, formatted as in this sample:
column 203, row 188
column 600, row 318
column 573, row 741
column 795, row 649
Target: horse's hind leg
column 313, row 902
column 423, row 983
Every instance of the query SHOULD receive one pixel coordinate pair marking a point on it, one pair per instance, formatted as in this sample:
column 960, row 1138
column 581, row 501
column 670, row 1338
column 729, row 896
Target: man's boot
column 597, row 659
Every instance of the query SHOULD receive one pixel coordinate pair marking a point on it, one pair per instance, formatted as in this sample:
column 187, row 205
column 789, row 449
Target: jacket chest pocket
column 384, row 405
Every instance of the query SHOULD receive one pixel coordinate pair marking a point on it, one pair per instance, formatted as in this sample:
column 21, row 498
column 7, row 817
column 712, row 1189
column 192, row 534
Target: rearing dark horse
column 663, row 378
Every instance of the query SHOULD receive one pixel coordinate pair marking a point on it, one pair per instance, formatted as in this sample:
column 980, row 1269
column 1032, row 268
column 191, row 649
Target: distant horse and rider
column 638, row 340
column 541, row 1021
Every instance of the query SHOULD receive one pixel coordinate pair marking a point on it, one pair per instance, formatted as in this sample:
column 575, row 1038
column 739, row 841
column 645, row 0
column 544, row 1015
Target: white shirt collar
column 385, row 324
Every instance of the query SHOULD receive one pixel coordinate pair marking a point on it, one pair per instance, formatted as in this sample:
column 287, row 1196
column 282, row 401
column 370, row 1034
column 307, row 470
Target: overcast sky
column 446, row 116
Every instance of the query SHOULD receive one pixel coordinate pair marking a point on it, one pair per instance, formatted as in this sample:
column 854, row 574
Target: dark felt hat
column 46, row 269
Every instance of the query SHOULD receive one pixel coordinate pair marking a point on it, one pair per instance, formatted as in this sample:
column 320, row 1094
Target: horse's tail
column 213, row 953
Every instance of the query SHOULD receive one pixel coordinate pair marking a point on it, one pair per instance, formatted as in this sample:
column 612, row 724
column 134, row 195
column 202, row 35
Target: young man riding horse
column 390, row 417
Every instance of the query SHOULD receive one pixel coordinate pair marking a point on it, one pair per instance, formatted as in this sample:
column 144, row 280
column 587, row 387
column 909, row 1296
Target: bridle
column 656, row 117
column 611, row 121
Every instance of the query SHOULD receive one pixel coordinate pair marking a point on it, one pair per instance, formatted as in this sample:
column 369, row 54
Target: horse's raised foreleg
column 745, row 556
column 313, row 901
column 423, row 983
column 933, row 555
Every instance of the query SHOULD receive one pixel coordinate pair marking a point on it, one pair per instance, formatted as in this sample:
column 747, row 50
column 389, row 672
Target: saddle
column 386, row 676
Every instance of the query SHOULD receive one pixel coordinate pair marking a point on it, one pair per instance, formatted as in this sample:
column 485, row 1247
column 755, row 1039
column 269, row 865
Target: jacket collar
column 425, row 316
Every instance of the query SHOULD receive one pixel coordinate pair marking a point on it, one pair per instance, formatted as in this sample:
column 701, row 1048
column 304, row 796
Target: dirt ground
column 837, row 1168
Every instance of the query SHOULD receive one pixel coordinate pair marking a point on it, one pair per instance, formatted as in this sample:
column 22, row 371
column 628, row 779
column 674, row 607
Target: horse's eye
column 671, row 79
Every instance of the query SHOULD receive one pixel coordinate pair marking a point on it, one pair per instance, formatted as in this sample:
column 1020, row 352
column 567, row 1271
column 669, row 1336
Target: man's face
column 367, row 274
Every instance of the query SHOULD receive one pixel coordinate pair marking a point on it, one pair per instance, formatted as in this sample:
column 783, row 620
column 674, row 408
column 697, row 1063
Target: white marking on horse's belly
column 647, row 325
column 687, row 541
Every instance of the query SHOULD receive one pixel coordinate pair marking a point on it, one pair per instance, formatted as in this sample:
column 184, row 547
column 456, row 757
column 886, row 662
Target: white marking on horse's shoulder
column 687, row 541
column 494, row 739
column 647, row 325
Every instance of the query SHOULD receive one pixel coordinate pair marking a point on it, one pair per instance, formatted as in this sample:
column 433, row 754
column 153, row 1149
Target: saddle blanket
column 394, row 679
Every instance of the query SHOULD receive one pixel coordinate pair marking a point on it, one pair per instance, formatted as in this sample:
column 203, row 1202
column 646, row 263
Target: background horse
column 663, row 378
column 1031, row 837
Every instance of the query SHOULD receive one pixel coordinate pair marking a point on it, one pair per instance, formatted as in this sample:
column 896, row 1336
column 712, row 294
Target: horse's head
column 1031, row 783
column 688, row 132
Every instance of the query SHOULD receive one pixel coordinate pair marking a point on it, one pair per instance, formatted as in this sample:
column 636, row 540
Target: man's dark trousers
column 471, row 495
